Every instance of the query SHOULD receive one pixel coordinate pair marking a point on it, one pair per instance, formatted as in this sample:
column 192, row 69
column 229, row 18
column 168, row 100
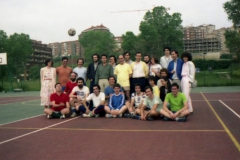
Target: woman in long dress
column 48, row 80
column 188, row 76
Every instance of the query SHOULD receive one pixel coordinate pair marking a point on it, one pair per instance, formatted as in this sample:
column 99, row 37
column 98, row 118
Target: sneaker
column 182, row 119
column 136, row 117
column 97, row 115
column 73, row 114
column 109, row 116
column 62, row 116
column 86, row 115
column 49, row 117
column 149, row 119
column 120, row 115
column 126, row 115
column 166, row 119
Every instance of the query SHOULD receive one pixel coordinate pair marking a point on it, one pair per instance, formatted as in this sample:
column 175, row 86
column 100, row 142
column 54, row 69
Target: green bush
column 226, row 56
column 215, row 64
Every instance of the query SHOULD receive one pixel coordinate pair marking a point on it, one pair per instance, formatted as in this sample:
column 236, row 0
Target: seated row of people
column 145, row 106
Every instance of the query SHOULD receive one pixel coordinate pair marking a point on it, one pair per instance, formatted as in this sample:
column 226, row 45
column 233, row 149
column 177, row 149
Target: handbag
column 194, row 84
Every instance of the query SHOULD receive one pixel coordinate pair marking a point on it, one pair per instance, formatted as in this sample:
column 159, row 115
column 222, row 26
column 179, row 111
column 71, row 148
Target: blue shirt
column 82, row 72
column 116, row 101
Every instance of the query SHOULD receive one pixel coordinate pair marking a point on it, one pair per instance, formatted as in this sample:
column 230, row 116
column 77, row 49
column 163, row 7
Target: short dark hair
column 124, row 54
column 104, row 55
column 166, row 48
column 120, row 55
column 155, row 59
column 137, row 84
column 148, row 87
column 95, row 54
column 114, row 57
column 138, row 53
column 57, row 84
column 80, row 79
column 48, row 60
column 146, row 55
column 164, row 78
column 175, row 85
column 112, row 77
column 188, row 55
column 80, row 59
column 63, row 58
column 117, row 85
column 96, row 85
column 152, row 78
column 164, row 70
column 175, row 52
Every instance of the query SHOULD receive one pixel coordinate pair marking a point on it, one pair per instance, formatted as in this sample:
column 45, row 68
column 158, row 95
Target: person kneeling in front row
column 178, row 105
column 59, row 104
column 116, row 104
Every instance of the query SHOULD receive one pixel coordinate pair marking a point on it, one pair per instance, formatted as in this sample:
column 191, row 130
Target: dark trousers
column 91, row 85
column 141, row 81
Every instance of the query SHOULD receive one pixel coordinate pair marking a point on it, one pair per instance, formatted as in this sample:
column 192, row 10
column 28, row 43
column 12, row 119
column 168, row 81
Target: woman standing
column 48, row 80
column 155, row 67
column 188, row 76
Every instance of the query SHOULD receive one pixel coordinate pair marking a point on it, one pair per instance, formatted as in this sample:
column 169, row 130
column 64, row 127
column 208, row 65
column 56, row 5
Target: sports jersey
column 81, row 92
column 137, row 99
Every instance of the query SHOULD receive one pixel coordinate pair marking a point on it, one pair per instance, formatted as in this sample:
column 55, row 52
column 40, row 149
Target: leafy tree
column 34, row 72
column 160, row 29
column 232, row 8
column 157, row 30
column 18, row 48
column 97, row 42
column 233, row 42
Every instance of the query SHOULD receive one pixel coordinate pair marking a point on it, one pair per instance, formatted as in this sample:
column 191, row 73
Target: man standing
column 127, row 58
column 80, row 70
column 98, row 99
column 91, row 70
column 104, row 71
column 178, row 105
column 113, row 61
column 152, row 106
column 63, row 73
column 140, row 72
column 175, row 68
column 59, row 104
column 123, row 72
column 71, row 84
column 78, row 94
column 166, row 59
column 116, row 104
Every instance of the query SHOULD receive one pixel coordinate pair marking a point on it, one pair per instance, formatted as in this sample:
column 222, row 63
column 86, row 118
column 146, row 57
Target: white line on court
column 36, row 131
column 20, row 120
column 18, row 102
column 230, row 109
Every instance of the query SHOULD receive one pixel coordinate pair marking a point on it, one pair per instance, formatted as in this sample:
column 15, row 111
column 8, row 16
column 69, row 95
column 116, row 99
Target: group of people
column 145, row 90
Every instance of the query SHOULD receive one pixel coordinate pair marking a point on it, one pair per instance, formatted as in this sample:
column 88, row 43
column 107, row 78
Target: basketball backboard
column 3, row 58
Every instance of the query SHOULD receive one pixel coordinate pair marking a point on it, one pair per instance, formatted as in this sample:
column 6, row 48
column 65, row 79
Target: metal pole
column 204, row 67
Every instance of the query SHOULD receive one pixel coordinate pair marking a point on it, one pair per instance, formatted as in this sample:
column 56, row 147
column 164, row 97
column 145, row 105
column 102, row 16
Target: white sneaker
column 49, row 117
column 73, row 114
column 109, row 116
column 62, row 116
column 86, row 115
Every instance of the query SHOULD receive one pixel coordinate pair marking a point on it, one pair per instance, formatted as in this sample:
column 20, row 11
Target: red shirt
column 58, row 99
column 69, row 87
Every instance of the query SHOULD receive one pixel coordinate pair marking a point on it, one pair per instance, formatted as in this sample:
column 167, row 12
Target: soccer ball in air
column 71, row 32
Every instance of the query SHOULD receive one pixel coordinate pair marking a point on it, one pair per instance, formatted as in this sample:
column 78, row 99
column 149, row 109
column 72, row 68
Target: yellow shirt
column 122, row 72
column 156, row 91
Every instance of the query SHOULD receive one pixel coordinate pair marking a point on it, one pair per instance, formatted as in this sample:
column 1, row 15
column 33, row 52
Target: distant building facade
column 204, row 38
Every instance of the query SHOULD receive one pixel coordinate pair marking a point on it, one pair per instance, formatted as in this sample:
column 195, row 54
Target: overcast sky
column 49, row 20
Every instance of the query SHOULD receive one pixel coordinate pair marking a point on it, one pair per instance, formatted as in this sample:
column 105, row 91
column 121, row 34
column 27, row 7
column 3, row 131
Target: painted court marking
column 21, row 120
column 19, row 102
column 230, row 109
column 111, row 130
column 36, row 131
column 223, row 124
